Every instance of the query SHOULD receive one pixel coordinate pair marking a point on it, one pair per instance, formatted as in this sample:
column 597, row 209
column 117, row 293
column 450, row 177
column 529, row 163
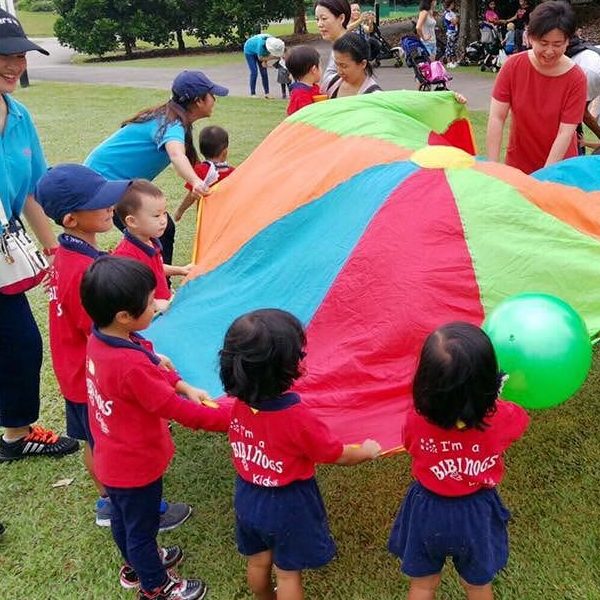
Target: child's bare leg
column 478, row 592
column 423, row 588
column 289, row 585
column 185, row 204
column 88, row 460
column 258, row 573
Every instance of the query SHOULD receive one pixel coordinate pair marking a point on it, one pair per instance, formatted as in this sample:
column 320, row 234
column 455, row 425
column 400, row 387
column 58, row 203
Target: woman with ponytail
column 155, row 137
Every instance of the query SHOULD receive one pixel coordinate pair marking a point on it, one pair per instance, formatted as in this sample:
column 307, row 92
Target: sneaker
column 103, row 512
column 170, row 557
column 177, row 589
column 39, row 442
column 172, row 514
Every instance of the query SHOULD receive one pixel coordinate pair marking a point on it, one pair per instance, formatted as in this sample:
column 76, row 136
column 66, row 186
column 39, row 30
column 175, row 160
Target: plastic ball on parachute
column 544, row 346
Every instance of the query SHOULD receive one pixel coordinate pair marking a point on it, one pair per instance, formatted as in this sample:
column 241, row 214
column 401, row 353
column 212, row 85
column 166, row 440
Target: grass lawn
column 37, row 24
column 53, row 550
column 181, row 61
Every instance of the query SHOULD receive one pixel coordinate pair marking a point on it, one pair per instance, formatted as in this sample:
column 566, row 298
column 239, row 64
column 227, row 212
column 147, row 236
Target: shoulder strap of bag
column 3, row 217
column 372, row 88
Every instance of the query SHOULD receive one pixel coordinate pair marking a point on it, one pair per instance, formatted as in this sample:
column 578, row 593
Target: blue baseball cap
column 69, row 188
column 189, row 85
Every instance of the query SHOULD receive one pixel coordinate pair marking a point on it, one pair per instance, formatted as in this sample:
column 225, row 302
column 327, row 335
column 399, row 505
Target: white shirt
column 589, row 61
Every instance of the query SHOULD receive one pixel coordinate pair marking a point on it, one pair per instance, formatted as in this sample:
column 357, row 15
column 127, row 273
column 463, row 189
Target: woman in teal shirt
column 22, row 163
column 258, row 50
column 147, row 143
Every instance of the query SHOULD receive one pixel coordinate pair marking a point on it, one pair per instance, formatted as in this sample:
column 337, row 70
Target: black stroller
column 491, row 44
column 384, row 50
column 430, row 75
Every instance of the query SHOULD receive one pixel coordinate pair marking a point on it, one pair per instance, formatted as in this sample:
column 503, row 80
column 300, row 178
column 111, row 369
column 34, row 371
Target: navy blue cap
column 69, row 188
column 189, row 85
column 12, row 37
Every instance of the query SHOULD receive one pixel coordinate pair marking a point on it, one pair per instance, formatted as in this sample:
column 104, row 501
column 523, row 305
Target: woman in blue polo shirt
column 155, row 137
column 258, row 50
column 22, row 163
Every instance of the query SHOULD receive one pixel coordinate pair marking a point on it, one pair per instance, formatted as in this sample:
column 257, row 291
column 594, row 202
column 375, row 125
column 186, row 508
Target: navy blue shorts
column 290, row 521
column 78, row 426
column 470, row 529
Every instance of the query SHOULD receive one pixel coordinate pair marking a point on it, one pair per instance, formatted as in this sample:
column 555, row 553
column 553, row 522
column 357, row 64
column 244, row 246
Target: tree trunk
column 128, row 44
column 469, row 24
column 180, row 41
column 300, row 18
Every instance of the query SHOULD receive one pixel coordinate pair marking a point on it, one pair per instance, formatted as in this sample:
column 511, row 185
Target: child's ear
column 129, row 221
column 123, row 318
column 69, row 221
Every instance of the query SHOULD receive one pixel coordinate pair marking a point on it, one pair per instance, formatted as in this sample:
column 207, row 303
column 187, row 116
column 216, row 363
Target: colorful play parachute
column 358, row 216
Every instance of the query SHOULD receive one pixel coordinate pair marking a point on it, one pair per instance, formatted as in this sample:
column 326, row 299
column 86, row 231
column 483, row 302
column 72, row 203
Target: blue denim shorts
column 472, row 530
column 431, row 48
column 290, row 521
column 78, row 426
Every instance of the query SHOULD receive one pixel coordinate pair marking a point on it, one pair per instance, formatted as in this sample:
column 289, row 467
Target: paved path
column 58, row 67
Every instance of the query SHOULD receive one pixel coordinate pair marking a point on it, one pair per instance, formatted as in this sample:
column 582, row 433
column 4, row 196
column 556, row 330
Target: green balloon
column 544, row 346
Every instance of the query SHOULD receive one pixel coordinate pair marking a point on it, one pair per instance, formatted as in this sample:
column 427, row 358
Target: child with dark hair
column 214, row 147
column 133, row 393
column 304, row 64
column 456, row 436
column 143, row 211
column 276, row 442
column 354, row 71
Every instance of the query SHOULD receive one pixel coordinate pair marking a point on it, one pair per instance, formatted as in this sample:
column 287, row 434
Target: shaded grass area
column 552, row 483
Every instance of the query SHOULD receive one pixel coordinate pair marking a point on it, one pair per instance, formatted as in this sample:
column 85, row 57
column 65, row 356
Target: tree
column 300, row 17
column 100, row 26
column 469, row 23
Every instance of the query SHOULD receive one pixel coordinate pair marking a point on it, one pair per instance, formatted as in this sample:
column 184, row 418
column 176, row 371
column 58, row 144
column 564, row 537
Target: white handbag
column 22, row 265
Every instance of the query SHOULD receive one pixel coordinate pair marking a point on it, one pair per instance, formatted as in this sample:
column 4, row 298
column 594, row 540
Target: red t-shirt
column 69, row 324
column 301, row 95
column 201, row 168
column 275, row 447
column 458, row 462
column 151, row 256
column 538, row 104
column 131, row 399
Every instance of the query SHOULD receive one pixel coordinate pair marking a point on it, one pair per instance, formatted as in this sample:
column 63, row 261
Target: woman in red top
column 545, row 92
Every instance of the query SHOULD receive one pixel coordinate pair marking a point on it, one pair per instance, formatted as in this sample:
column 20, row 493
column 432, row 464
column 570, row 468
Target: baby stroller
column 429, row 74
column 386, row 51
column 491, row 43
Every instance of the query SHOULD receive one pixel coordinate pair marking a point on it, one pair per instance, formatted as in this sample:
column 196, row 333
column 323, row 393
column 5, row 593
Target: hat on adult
column 275, row 46
column 69, row 188
column 189, row 85
column 12, row 37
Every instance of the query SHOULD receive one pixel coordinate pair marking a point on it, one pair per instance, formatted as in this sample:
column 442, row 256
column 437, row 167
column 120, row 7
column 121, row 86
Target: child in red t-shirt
column 276, row 442
column 304, row 65
column 214, row 146
column 81, row 202
column 456, row 436
column 132, row 394
column 143, row 211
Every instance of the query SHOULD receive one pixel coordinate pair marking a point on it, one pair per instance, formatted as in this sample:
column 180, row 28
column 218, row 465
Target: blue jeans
column 255, row 66
column 134, row 523
column 20, row 362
